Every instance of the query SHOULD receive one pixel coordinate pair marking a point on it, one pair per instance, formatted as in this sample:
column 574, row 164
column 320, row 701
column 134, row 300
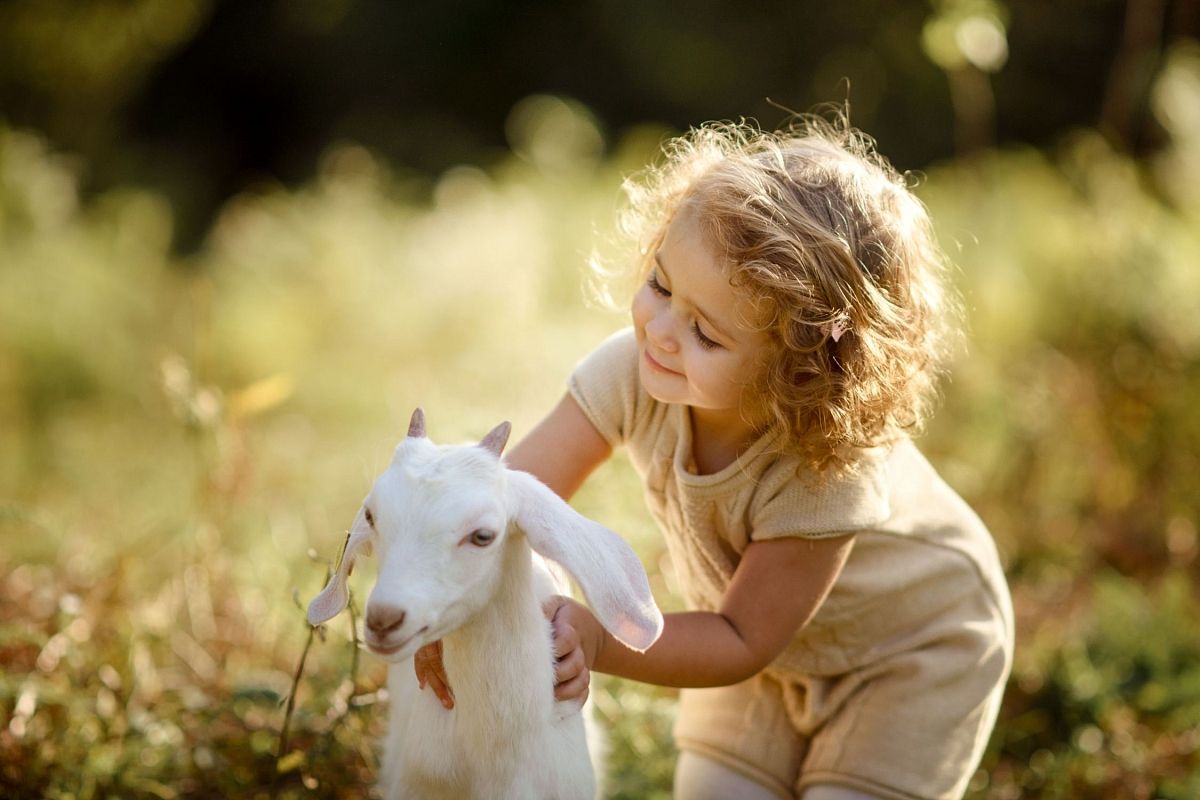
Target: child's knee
column 701, row 778
column 830, row 791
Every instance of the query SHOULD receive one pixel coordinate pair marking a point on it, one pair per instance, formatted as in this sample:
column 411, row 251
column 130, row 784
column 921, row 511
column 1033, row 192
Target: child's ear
column 606, row 568
column 336, row 594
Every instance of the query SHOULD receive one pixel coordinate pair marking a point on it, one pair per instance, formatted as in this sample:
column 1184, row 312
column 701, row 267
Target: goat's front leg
column 413, row 787
column 522, row 787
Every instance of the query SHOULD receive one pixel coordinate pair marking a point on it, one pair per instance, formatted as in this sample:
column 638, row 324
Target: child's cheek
column 640, row 311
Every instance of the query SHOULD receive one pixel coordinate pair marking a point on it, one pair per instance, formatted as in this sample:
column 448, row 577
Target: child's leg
column 743, row 729
column 700, row 778
column 831, row 791
column 914, row 724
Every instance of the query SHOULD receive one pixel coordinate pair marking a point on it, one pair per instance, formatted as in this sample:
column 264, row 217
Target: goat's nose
column 382, row 620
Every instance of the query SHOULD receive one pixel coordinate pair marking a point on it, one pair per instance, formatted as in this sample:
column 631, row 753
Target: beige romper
column 894, row 686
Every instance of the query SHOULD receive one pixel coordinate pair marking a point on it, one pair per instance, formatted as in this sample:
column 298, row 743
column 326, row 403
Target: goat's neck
column 499, row 662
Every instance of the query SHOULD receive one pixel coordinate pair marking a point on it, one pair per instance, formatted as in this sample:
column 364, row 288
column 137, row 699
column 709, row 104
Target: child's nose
column 660, row 328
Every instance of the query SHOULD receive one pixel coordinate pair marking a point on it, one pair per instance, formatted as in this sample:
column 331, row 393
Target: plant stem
column 287, row 716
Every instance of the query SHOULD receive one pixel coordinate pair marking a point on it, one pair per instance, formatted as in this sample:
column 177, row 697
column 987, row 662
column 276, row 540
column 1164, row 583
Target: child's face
column 693, row 348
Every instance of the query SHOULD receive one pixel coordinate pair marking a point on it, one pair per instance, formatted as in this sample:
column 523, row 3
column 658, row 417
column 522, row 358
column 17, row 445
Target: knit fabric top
column 919, row 549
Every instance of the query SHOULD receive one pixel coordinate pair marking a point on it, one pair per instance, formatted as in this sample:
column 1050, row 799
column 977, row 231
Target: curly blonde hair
column 838, row 256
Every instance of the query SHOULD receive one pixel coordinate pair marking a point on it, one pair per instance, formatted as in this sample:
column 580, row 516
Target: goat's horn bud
column 495, row 441
column 416, row 425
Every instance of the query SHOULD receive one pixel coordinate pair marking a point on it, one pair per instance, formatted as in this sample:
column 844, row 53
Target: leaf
column 292, row 761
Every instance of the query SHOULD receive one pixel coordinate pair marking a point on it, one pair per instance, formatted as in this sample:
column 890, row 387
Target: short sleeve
column 794, row 507
column 606, row 386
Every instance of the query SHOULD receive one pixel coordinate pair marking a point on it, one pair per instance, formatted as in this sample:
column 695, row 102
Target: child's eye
column 705, row 342
column 657, row 287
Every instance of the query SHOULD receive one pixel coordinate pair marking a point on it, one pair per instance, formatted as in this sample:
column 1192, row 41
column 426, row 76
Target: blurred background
column 240, row 241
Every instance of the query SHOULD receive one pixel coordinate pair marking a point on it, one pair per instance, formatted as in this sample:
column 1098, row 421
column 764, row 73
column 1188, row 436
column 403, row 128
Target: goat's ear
column 606, row 568
column 336, row 594
column 498, row 437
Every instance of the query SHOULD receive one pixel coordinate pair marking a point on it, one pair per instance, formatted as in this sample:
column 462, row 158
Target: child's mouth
column 656, row 365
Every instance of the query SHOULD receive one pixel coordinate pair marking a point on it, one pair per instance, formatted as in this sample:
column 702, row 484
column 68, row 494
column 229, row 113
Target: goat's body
column 506, row 736
column 455, row 529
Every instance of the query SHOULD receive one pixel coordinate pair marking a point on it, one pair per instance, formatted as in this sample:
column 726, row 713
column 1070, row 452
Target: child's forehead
column 688, row 253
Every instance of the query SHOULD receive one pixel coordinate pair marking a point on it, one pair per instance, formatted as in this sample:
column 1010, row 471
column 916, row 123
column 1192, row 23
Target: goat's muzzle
column 382, row 620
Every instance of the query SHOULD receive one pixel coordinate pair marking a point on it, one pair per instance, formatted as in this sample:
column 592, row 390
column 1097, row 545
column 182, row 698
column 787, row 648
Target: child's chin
column 650, row 382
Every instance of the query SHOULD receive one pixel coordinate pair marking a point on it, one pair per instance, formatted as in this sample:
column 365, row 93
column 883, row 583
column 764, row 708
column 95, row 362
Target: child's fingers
column 423, row 662
column 574, row 689
column 566, row 637
column 552, row 604
column 442, row 690
column 550, row 608
column 570, row 666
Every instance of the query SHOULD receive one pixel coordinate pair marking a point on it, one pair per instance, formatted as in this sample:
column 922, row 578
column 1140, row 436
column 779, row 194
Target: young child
column 851, row 629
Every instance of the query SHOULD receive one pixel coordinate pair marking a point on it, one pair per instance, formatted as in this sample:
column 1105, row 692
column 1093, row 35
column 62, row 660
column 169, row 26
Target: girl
column 852, row 629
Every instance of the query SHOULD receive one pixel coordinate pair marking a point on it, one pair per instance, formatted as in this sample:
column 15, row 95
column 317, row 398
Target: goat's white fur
column 506, row 736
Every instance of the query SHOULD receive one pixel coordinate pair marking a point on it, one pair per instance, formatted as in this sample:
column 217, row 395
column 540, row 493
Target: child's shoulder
column 893, row 490
column 606, row 386
column 790, row 499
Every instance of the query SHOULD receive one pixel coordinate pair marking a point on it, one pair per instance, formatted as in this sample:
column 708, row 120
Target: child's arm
column 562, row 450
column 777, row 588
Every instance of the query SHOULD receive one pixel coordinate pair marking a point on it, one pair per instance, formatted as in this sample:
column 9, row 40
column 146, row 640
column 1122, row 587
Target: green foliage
column 1074, row 398
column 641, row 755
column 1105, row 701
column 176, row 436
column 101, row 702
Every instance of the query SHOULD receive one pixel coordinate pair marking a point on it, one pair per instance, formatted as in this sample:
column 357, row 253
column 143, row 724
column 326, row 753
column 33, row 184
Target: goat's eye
column 482, row 537
column 370, row 517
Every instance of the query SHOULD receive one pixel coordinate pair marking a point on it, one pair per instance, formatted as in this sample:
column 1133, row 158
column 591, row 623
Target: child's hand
column 574, row 629
column 429, row 668
column 571, row 674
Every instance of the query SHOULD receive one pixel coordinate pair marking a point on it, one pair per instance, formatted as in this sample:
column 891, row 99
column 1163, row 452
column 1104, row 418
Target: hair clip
column 839, row 326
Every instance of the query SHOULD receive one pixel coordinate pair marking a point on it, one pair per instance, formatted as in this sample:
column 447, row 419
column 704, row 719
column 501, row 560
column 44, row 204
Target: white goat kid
column 454, row 528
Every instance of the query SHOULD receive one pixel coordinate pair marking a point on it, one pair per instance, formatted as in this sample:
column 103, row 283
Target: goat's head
column 442, row 518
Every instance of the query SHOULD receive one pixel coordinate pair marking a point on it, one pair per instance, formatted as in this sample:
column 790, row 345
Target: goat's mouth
column 380, row 649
